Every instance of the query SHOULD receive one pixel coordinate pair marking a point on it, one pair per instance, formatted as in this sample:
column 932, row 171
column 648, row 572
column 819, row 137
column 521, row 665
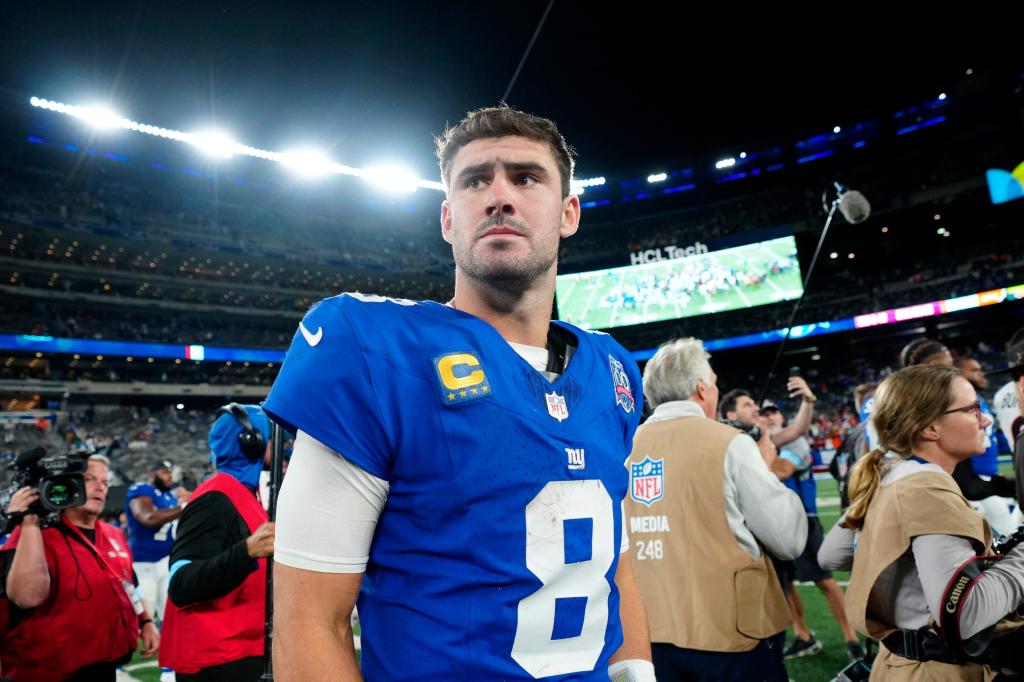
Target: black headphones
column 250, row 439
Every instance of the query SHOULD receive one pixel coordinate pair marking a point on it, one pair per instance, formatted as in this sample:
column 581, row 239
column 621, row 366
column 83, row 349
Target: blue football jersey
column 149, row 544
column 495, row 554
column 987, row 463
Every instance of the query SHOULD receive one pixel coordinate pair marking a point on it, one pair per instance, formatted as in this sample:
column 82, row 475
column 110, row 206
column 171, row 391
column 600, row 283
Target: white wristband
column 632, row 670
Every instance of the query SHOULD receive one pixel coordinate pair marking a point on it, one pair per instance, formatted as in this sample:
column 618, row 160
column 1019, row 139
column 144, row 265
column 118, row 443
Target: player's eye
column 526, row 180
column 475, row 182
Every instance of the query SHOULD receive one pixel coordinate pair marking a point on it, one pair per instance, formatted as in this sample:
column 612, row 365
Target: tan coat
column 927, row 503
column 701, row 589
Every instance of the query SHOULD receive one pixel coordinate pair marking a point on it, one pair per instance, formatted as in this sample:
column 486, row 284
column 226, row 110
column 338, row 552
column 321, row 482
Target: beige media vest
column 926, row 503
column 701, row 589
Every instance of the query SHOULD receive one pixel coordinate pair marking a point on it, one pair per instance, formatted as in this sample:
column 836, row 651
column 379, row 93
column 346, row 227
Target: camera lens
column 61, row 492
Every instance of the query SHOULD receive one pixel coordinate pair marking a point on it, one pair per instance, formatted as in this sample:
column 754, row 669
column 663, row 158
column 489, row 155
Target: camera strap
column 95, row 550
column 953, row 598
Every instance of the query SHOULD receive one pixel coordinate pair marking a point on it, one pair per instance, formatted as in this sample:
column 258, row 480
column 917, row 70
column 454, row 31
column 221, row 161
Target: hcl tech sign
column 666, row 253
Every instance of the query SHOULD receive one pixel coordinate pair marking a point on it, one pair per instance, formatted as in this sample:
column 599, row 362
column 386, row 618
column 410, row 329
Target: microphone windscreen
column 854, row 207
column 29, row 457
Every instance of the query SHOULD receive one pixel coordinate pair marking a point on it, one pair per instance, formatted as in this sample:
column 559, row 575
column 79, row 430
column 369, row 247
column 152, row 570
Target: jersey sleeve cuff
column 319, row 563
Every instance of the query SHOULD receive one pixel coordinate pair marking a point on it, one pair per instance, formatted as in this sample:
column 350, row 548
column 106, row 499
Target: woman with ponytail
column 909, row 532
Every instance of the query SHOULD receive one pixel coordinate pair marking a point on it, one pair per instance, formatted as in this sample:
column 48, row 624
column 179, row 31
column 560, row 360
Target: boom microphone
column 853, row 205
column 856, row 209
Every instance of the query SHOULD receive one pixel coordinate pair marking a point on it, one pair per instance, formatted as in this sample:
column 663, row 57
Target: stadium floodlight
column 725, row 163
column 307, row 163
column 588, row 182
column 99, row 117
column 657, row 177
column 833, row 255
column 942, row 96
column 214, row 143
column 180, row 406
column 390, row 178
column 837, row 130
column 743, row 155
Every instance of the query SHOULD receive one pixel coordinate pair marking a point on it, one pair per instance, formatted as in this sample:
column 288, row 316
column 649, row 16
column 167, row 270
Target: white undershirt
column 328, row 507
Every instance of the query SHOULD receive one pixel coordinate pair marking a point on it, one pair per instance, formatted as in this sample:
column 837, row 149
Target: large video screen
column 727, row 279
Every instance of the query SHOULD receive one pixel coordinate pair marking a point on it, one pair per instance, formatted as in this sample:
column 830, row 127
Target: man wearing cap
column 213, row 629
column 151, row 509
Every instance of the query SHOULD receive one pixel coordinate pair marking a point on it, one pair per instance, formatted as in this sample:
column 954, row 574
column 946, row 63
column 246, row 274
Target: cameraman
column 73, row 613
column 723, row 620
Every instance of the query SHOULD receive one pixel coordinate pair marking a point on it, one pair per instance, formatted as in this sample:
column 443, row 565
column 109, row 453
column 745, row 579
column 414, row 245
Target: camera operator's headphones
column 250, row 439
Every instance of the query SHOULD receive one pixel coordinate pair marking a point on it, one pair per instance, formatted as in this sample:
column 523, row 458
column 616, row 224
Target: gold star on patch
column 451, row 396
column 462, row 393
column 485, row 388
column 473, row 391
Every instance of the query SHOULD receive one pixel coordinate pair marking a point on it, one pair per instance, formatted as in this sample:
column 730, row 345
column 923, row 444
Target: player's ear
column 570, row 216
column 446, row 221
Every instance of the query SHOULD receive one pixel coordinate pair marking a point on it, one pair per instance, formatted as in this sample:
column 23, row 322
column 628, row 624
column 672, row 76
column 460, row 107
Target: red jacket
column 86, row 619
column 229, row 628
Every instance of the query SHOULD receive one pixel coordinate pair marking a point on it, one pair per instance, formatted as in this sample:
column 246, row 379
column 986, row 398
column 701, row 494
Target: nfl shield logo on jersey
column 647, row 480
column 623, row 394
column 556, row 406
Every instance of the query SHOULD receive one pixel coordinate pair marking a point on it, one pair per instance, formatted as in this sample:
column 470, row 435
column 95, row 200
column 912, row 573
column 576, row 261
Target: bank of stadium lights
column 390, row 178
column 306, row 163
column 657, row 177
column 725, row 163
column 579, row 185
column 215, row 144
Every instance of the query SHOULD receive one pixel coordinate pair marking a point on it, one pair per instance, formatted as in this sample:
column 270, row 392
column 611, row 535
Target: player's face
column 972, row 371
column 163, row 478
column 505, row 212
column 746, row 411
column 774, row 418
column 95, row 487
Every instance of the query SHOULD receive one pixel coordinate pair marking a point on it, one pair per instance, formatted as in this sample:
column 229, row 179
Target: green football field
column 628, row 295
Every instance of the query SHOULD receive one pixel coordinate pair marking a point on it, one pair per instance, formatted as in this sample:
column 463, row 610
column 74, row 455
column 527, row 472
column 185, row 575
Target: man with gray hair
column 723, row 620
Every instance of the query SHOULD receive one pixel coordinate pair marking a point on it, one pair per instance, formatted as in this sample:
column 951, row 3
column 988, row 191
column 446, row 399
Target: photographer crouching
column 73, row 610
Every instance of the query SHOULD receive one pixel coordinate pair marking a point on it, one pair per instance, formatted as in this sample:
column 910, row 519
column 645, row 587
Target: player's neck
column 520, row 316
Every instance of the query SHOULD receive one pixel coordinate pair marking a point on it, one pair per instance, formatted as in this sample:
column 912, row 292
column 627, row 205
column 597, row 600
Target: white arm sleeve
column 772, row 512
column 836, row 551
column 998, row 591
column 327, row 511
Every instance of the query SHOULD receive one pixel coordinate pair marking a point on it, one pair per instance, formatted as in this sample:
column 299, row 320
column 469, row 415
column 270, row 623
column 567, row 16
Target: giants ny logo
column 576, row 459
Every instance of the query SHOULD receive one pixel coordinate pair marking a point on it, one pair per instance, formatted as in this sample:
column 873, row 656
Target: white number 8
column 534, row 649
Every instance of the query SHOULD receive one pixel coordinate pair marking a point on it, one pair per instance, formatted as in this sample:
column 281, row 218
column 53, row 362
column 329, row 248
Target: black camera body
column 752, row 430
column 59, row 480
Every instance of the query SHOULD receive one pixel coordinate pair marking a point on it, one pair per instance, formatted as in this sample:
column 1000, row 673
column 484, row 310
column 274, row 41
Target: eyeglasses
column 974, row 408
